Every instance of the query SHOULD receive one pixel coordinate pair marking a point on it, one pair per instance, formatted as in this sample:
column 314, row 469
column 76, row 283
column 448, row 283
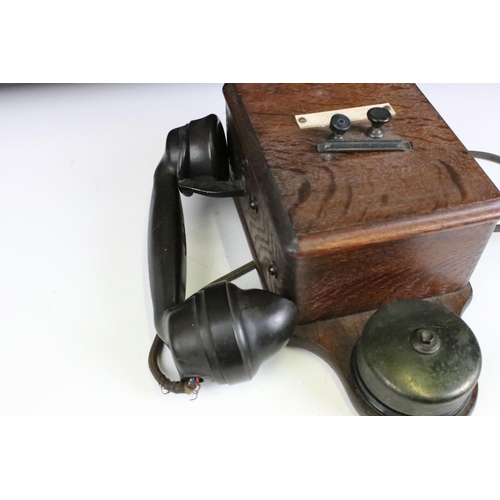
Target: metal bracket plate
column 340, row 146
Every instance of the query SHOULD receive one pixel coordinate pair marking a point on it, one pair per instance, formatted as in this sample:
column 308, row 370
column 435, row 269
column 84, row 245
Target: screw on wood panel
column 302, row 119
column 252, row 203
column 273, row 269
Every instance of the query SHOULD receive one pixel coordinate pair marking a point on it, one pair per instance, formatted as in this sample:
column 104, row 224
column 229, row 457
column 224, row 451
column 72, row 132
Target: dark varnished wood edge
column 439, row 220
column 333, row 341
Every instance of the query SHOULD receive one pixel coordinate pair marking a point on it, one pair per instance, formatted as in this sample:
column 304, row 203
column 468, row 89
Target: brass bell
column 416, row 358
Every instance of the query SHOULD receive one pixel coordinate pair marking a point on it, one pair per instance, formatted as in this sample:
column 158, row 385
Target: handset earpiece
column 221, row 333
column 206, row 154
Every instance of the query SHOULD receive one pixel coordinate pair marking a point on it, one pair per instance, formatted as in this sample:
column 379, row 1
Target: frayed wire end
column 186, row 386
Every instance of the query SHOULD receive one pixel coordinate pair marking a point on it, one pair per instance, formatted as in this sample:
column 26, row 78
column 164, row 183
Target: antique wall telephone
column 375, row 275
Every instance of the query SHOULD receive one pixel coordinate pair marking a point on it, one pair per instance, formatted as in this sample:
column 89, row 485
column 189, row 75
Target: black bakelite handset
column 221, row 333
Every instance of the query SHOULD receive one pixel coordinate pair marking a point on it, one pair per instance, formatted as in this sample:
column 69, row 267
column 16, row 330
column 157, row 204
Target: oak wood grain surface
column 323, row 192
column 350, row 232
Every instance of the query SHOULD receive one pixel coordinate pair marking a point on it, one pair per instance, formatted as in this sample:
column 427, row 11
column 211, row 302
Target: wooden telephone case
column 343, row 234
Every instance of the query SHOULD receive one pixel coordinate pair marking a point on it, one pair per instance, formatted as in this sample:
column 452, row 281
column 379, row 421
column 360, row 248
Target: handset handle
column 166, row 234
column 195, row 161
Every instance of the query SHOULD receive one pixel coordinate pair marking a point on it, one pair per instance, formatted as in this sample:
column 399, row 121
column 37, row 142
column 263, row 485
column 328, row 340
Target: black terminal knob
column 339, row 125
column 377, row 117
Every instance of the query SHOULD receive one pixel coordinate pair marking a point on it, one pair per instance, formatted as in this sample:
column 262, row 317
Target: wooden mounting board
column 334, row 340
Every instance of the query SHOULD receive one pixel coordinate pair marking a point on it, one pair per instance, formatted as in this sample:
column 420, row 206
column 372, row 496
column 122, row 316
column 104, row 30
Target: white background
column 76, row 166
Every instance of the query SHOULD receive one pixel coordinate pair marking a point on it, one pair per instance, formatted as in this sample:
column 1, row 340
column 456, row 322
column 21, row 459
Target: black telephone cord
column 481, row 155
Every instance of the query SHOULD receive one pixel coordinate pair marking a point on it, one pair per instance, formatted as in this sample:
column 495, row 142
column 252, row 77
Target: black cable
column 167, row 385
column 246, row 268
column 481, row 155
column 485, row 156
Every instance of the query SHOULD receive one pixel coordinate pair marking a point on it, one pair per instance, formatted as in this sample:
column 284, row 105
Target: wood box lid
column 338, row 199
